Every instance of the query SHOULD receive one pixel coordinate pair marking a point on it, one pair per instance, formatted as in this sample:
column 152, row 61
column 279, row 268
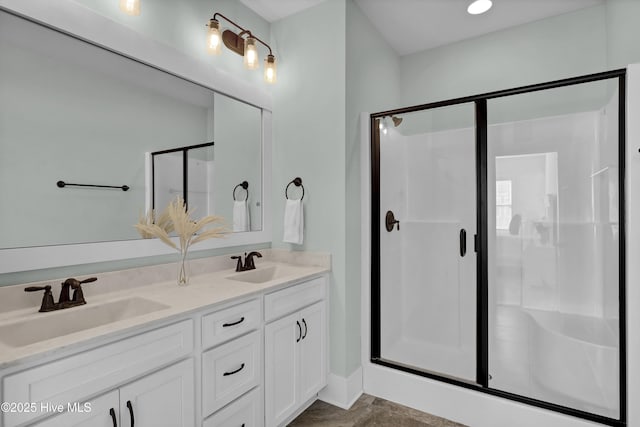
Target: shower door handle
column 463, row 242
column 390, row 220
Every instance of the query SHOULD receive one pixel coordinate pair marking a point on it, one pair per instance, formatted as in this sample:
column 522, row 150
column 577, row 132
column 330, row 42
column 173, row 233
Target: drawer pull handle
column 226, row 325
column 130, row 406
column 305, row 329
column 112, row 412
column 300, row 331
column 234, row 372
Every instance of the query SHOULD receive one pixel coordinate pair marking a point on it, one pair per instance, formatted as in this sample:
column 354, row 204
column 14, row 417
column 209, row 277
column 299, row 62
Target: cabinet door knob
column 112, row 412
column 305, row 329
column 299, row 332
column 130, row 406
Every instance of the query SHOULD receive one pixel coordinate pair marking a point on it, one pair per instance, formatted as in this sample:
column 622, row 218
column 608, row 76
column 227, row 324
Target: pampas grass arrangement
column 176, row 218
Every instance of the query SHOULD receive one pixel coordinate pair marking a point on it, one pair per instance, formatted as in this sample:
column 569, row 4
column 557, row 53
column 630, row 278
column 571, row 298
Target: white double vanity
column 231, row 349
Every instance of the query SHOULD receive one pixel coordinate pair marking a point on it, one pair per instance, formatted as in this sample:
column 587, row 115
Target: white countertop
column 204, row 291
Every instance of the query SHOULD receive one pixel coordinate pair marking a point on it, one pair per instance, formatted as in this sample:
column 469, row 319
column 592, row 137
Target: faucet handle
column 37, row 288
column 75, row 283
column 239, row 263
column 47, row 299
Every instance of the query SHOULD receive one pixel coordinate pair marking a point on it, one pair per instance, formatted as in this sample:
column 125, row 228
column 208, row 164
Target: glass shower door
column 554, row 239
column 427, row 223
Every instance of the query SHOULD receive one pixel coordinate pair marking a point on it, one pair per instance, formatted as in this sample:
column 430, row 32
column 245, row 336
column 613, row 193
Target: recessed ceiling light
column 479, row 6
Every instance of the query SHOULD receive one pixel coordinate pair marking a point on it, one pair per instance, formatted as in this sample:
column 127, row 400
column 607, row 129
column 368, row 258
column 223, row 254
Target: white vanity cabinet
column 295, row 349
column 164, row 398
column 78, row 376
column 253, row 361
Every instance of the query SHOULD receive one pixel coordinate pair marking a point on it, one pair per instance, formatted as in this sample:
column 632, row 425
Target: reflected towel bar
column 243, row 184
column 62, row 184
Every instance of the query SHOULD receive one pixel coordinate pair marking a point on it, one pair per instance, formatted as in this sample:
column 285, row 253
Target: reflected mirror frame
column 482, row 384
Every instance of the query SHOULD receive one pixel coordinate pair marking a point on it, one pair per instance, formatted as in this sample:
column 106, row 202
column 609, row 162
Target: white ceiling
column 415, row 25
column 272, row 10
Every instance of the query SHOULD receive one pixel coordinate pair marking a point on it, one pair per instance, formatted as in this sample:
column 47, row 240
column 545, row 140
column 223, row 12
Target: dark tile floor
column 368, row 411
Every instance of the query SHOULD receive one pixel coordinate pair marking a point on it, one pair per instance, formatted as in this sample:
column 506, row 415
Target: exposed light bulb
column 270, row 69
column 250, row 54
column 479, row 6
column 213, row 38
column 130, row 7
column 383, row 126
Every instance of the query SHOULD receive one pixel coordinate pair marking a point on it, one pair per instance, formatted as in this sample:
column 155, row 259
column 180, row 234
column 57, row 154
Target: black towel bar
column 63, row 184
column 298, row 183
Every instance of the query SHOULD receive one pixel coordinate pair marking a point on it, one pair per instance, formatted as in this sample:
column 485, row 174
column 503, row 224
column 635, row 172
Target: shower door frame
column 481, row 246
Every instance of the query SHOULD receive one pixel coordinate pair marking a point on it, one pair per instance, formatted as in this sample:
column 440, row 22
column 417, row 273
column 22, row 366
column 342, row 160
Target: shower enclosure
column 498, row 244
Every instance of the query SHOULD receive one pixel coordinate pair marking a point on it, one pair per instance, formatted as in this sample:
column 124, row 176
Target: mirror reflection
column 75, row 112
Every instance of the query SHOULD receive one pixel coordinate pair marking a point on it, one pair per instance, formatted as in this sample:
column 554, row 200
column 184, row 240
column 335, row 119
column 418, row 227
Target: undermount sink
column 260, row 275
column 70, row 320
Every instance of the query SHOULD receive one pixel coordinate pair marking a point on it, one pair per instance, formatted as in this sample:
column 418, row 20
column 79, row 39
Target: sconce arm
column 243, row 30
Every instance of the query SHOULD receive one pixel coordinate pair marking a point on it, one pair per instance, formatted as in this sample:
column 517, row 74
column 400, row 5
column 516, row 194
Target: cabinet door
column 282, row 343
column 313, row 351
column 96, row 412
column 162, row 399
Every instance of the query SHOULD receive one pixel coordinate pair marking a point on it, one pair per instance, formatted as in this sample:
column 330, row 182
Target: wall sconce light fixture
column 243, row 43
column 130, row 7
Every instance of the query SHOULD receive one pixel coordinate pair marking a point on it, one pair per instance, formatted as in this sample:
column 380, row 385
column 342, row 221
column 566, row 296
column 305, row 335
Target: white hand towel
column 241, row 218
column 293, row 222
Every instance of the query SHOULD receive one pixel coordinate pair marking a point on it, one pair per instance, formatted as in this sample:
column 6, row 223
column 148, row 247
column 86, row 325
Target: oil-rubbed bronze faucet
column 249, row 263
column 64, row 301
column 248, row 260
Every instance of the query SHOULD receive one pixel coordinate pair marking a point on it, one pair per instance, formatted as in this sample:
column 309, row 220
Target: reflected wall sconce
column 384, row 123
column 243, row 43
column 130, row 7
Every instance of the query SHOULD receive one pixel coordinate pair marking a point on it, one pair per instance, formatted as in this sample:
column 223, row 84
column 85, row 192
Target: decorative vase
column 183, row 270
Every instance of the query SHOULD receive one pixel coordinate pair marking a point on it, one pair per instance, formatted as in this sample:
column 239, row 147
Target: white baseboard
column 342, row 392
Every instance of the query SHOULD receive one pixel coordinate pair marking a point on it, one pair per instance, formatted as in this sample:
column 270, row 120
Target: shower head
column 396, row 121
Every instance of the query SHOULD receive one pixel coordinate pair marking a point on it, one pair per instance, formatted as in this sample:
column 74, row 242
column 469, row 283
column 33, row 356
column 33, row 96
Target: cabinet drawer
column 230, row 323
column 246, row 411
column 73, row 378
column 293, row 298
column 230, row 371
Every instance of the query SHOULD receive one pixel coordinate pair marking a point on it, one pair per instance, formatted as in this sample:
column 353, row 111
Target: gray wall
column 373, row 84
column 308, row 134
